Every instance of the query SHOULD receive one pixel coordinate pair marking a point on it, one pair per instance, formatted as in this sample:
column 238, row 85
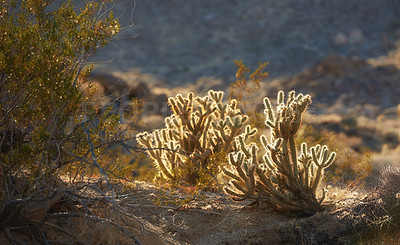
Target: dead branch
column 95, row 218
column 13, row 239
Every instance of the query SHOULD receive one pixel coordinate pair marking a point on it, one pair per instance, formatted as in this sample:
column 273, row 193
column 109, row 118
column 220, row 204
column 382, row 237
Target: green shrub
column 48, row 126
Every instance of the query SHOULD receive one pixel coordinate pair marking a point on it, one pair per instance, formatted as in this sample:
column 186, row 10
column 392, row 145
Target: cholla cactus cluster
column 284, row 179
column 199, row 128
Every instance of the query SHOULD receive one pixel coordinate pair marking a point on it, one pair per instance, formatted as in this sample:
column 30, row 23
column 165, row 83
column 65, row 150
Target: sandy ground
column 211, row 218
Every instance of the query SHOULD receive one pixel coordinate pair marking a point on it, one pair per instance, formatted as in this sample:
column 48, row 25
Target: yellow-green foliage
column 241, row 88
column 350, row 168
column 284, row 179
column 200, row 129
column 45, row 120
column 245, row 88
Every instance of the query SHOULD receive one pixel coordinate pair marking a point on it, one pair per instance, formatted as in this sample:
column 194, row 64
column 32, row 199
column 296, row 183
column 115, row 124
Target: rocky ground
column 211, row 218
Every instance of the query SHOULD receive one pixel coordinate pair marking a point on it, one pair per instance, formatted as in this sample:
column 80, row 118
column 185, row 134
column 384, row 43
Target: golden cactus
column 284, row 179
column 199, row 128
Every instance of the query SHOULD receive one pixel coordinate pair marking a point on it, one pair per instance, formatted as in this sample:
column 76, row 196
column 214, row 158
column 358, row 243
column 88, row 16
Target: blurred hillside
column 180, row 42
column 345, row 53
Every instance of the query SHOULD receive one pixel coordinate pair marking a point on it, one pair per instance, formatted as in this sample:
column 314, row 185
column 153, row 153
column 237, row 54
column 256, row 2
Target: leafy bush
column 245, row 89
column 49, row 127
column 242, row 88
column 42, row 62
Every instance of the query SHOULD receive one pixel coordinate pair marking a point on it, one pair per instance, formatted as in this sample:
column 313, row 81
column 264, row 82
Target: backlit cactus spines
column 198, row 128
column 284, row 179
column 242, row 172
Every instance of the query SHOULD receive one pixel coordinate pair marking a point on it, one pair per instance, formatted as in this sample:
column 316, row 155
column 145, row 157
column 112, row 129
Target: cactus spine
column 284, row 179
column 199, row 128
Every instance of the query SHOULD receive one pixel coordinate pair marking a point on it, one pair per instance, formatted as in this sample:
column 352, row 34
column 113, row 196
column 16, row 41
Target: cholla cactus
column 286, row 180
column 199, row 128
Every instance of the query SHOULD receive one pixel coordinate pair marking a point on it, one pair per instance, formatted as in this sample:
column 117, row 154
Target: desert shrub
column 376, row 217
column 242, row 88
column 245, row 88
column 285, row 180
column 197, row 136
column 42, row 61
column 349, row 168
column 389, row 192
column 50, row 130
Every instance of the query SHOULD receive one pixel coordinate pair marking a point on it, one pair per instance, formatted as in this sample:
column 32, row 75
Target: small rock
column 162, row 101
column 340, row 39
column 356, row 36
column 141, row 91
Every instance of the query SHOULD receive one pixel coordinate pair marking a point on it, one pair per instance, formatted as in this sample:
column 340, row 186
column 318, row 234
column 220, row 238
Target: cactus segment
column 284, row 179
column 199, row 128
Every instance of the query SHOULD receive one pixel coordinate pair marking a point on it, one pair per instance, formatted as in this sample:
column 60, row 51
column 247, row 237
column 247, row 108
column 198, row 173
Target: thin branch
column 92, row 217
column 62, row 230
column 41, row 233
column 190, row 158
column 13, row 239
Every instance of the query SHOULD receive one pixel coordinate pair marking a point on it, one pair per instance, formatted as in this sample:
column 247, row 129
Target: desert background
column 344, row 53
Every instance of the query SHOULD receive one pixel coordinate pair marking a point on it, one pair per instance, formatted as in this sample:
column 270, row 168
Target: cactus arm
column 227, row 143
column 267, row 182
column 330, row 160
column 322, row 161
column 204, row 133
column 239, row 187
column 267, row 161
column 241, row 172
column 249, row 132
column 282, row 161
column 146, row 140
column 230, row 174
column 164, row 169
column 234, row 193
column 250, row 183
column 293, row 152
column 275, row 196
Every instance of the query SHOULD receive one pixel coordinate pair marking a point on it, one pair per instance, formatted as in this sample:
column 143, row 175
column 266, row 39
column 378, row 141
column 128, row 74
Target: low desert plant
column 199, row 129
column 241, row 89
column 44, row 115
column 284, row 179
column 375, row 218
column 51, row 132
column 389, row 192
column 350, row 168
column 245, row 90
